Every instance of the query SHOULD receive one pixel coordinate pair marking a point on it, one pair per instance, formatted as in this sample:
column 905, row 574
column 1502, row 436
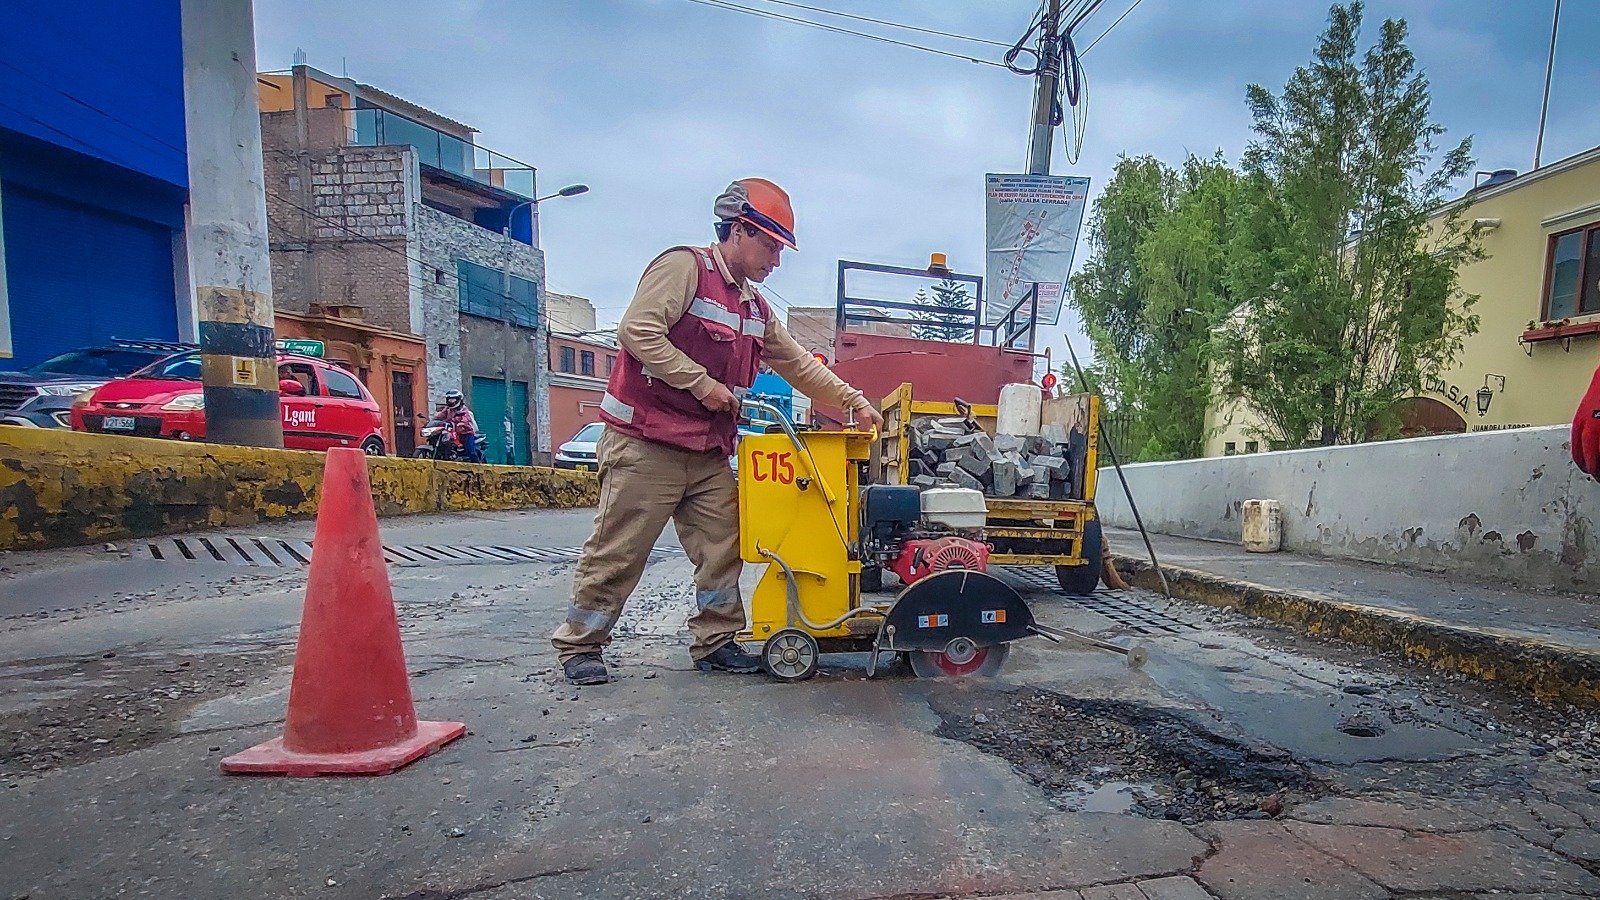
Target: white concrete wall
column 1507, row 505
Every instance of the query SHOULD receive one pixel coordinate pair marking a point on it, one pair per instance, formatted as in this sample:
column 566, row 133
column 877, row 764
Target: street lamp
column 541, row 338
column 1486, row 394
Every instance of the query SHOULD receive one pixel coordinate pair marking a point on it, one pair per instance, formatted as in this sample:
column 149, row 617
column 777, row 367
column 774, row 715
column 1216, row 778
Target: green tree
column 1352, row 292
column 1151, row 293
column 939, row 322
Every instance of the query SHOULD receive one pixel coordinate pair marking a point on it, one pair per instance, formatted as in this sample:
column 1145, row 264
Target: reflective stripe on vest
column 616, row 408
column 701, row 308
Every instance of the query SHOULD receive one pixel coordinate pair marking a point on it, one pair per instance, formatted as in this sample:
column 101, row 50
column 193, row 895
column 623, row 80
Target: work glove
column 1586, row 430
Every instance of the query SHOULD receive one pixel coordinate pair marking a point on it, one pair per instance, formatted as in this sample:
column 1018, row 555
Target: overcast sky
column 658, row 104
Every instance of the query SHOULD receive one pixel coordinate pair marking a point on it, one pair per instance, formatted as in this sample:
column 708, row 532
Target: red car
column 323, row 405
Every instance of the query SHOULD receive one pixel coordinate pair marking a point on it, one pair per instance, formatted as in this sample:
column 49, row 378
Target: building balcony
column 379, row 127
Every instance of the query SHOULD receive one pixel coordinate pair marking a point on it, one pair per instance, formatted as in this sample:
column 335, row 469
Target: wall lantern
column 1486, row 394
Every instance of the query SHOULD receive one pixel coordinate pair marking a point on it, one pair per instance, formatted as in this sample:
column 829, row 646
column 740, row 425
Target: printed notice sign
column 1031, row 232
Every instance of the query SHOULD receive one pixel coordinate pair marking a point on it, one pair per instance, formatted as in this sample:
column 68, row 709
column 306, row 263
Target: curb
column 1551, row 672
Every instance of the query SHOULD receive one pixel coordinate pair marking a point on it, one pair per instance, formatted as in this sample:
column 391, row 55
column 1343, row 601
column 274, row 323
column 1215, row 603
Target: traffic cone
column 350, row 710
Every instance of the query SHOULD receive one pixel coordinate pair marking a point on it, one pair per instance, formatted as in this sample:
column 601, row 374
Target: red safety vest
column 718, row 331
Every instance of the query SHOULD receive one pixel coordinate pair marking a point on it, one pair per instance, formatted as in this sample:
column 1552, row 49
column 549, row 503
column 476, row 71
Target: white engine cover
column 957, row 508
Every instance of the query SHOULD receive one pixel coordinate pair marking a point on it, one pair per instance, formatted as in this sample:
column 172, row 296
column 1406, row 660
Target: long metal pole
column 1549, row 67
column 1111, row 450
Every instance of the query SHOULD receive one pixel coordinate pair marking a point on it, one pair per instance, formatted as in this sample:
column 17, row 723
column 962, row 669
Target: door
column 405, row 413
column 488, row 406
column 348, row 416
column 303, row 416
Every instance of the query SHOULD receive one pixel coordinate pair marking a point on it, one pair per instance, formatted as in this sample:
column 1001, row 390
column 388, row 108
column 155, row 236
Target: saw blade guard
column 956, row 604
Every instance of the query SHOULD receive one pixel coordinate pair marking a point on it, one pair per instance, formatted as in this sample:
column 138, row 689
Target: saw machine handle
column 799, row 445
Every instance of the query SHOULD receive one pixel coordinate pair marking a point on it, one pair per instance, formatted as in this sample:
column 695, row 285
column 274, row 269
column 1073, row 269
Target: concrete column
column 232, row 271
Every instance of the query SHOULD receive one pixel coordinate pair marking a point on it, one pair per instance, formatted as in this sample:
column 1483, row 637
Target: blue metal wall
column 93, row 172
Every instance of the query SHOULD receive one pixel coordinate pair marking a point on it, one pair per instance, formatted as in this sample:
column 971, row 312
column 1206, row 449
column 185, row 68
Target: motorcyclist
column 457, row 416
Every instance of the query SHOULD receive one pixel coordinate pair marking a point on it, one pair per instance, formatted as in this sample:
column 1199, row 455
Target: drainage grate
column 1120, row 607
column 276, row 552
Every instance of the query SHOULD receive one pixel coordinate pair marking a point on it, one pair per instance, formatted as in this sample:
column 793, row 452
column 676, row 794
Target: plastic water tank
column 1019, row 410
column 960, row 508
column 1261, row 524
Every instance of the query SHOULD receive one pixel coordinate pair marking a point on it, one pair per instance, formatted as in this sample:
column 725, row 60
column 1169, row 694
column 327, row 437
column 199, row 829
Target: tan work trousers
column 642, row 485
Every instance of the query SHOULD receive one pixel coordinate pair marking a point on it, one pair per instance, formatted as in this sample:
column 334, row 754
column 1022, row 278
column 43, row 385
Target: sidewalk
column 1545, row 643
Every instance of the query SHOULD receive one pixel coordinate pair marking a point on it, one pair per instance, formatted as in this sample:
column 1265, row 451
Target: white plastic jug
column 1261, row 524
column 1019, row 410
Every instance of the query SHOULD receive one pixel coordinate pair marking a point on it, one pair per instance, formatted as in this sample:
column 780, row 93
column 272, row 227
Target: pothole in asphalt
column 1360, row 690
column 92, row 707
column 1111, row 756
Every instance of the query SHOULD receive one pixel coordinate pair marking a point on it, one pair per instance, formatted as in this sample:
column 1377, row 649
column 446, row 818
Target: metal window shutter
column 78, row 276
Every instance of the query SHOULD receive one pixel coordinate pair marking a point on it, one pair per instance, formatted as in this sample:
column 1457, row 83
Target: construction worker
column 1586, row 430
column 692, row 341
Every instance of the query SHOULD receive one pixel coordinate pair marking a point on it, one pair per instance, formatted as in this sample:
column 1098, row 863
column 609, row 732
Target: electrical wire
column 845, row 15
column 735, row 7
column 1124, row 15
column 783, row 301
column 91, row 107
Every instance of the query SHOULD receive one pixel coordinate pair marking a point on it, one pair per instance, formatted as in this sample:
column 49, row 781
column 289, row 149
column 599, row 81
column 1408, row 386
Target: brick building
column 378, row 204
column 579, row 368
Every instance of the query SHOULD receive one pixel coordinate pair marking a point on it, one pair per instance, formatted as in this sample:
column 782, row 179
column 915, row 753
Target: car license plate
column 118, row 423
column 583, row 467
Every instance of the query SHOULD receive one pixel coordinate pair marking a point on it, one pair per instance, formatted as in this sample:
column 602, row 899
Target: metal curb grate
column 238, row 550
column 1123, row 608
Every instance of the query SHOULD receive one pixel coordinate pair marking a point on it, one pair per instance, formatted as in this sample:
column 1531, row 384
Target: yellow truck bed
column 1024, row 532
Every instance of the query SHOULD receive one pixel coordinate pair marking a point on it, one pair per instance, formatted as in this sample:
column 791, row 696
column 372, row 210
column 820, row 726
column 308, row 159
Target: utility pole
column 1046, row 88
column 227, row 231
column 510, row 336
column 1544, row 105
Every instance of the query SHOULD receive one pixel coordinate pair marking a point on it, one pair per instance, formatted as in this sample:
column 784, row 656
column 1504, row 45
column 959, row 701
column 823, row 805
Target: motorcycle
column 444, row 441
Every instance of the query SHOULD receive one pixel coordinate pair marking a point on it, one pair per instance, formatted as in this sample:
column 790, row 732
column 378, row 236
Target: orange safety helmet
column 760, row 203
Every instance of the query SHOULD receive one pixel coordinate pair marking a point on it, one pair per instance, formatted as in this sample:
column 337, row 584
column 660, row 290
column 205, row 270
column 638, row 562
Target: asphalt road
column 1241, row 761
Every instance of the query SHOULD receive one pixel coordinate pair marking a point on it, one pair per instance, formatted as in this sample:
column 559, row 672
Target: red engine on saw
column 920, row 558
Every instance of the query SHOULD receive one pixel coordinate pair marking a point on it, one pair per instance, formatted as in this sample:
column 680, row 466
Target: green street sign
column 302, row 347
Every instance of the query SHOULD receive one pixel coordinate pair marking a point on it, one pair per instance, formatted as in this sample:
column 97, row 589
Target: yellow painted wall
column 275, row 93
column 1542, row 387
column 63, row 488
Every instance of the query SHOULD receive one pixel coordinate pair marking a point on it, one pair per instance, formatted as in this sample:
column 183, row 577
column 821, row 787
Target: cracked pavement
column 1242, row 761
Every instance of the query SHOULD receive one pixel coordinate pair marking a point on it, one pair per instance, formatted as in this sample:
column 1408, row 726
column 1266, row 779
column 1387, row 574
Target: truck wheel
column 1080, row 581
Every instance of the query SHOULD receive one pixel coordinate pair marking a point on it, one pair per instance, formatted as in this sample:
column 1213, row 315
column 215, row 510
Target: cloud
column 657, row 104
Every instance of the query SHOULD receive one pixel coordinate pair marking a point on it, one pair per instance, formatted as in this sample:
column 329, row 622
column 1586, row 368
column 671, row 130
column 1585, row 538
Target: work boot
column 586, row 668
column 728, row 658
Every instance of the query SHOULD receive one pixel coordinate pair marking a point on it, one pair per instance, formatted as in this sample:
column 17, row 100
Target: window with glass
column 480, row 292
column 567, row 359
column 1572, row 274
column 587, row 358
column 611, row 362
column 184, row 367
column 341, row 385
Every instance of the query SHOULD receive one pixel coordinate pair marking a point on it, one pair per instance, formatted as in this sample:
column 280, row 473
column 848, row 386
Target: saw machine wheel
column 790, row 655
column 960, row 659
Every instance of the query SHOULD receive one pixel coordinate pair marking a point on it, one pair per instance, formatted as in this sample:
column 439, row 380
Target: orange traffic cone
column 350, row 710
